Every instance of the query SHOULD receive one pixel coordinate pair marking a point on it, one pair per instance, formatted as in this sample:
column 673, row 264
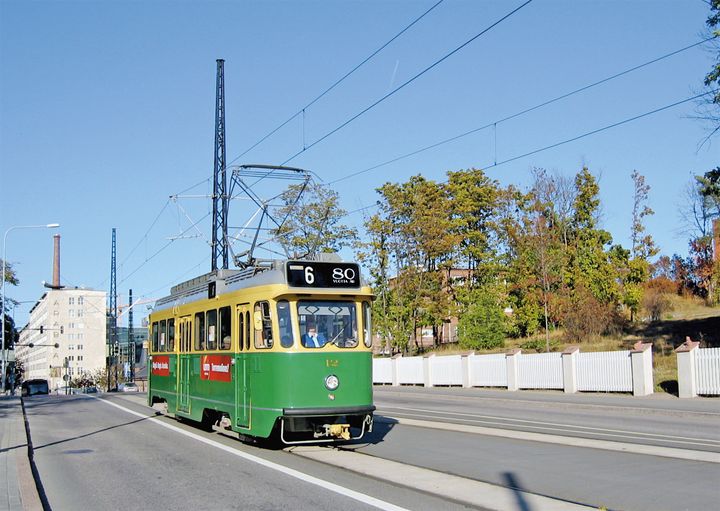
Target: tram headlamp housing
column 332, row 382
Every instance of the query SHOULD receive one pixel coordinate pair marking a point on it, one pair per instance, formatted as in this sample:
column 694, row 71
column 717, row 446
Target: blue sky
column 107, row 109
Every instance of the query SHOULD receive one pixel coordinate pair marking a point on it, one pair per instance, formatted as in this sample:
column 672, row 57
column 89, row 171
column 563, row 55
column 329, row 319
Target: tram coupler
column 334, row 430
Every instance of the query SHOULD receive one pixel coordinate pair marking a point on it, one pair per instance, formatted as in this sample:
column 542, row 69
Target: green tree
column 474, row 204
column 411, row 237
column 711, row 110
column 10, row 277
column 590, row 265
column 539, row 263
column 311, row 221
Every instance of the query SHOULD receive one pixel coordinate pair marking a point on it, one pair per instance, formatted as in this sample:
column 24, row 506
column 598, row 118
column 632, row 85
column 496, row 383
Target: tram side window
column 241, row 330
column 200, row 331
column 367, row 321
column 285, row 324
column 212, row 330
column 263, row 326
column 225, row 328
column 171, row 335
column 163, row 335
column 247, row 330
column 155, row 335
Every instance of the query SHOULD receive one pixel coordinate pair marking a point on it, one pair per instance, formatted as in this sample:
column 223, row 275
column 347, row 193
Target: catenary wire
column 573, row 139
column 406, row 83
column 337, row 82
column 522, row 112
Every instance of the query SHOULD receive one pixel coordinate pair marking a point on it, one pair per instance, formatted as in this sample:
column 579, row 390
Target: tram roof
column 266, row 272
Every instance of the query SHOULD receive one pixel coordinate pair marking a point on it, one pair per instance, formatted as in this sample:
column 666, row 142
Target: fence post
column 569, row 365
column 642, row 368
column 686, row 363
column 466, row 365
column 427, row 369
column 512, row 358
column 394, row 370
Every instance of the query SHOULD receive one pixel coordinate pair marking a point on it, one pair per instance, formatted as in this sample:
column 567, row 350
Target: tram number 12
column 316, row 274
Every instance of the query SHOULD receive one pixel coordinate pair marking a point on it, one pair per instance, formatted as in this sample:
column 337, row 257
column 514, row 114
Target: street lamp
column 4, row 266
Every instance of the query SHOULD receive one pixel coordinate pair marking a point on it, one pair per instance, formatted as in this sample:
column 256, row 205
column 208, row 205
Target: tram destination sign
column 321, row 274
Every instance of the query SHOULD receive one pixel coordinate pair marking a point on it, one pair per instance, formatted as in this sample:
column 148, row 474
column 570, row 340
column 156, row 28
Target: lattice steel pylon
column 112, row 313
column 219, row 199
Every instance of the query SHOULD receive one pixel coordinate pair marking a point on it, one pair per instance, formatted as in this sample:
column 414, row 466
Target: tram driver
column 312, row 338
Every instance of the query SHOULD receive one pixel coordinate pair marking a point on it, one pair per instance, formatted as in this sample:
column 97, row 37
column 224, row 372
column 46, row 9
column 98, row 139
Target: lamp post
column 4, row 269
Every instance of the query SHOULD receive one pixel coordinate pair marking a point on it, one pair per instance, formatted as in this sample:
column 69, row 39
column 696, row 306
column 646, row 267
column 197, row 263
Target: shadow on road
column 512, row 483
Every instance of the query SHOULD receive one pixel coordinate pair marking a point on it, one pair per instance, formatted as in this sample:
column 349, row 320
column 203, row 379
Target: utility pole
column 219, row 199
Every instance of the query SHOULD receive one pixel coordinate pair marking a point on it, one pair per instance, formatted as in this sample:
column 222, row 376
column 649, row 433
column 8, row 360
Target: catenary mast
column 219, row 199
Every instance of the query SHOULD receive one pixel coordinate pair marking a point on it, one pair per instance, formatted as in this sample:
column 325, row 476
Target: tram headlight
column 332, row 382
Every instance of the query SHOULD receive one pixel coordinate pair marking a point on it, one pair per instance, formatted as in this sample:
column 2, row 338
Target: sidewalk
column 20, row 493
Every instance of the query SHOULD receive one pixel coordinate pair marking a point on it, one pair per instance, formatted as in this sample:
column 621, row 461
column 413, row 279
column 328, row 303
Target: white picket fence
column 707, row 371
column 540, row 371
column 609, row 371
column 570, row 371
column 487, row 370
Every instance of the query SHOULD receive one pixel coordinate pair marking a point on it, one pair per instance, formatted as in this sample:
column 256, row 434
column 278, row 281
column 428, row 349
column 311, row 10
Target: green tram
column 282, row 348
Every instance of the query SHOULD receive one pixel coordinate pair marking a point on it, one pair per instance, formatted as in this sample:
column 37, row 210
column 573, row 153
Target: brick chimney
column 56, row 262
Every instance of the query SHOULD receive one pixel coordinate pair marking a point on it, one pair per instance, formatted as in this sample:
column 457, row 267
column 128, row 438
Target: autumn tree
column 701, row 206
column 636, row 268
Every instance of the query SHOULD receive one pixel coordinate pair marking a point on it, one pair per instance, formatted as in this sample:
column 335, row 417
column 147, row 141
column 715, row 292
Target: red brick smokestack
column 56, row 262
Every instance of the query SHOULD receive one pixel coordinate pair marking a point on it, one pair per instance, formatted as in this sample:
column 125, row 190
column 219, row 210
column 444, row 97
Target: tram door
column 242, row 394
column 184, row 362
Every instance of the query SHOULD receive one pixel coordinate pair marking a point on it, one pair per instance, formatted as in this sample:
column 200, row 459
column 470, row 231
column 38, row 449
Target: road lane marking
column 607, row 445
column 468, row 491
column 361, row 497
column 542, row 425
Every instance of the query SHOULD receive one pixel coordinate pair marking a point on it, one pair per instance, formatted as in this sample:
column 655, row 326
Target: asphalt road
column 110, row 453
column 431, row 449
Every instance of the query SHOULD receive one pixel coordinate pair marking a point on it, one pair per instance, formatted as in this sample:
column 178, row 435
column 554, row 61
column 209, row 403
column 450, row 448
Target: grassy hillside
column 688, row 317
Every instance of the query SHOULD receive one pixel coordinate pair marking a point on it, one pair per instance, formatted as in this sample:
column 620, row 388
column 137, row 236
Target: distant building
column 75, row 319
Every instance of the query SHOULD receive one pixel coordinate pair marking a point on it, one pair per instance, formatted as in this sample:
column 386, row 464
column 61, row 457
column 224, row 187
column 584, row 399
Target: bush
column 588, row 317
column 483, row 325
column 656, row 304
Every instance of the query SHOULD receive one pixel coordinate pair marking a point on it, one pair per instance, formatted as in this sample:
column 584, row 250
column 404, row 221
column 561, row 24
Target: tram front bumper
column 327, row 423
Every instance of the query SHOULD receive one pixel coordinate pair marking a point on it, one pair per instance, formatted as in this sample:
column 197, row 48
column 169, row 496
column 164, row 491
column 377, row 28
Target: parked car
column 128, row 387
column 34, row 387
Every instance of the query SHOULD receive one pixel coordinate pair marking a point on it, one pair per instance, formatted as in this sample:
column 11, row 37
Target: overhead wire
column 578, row 137
column 408, row 82
column 521, row 112
column 337, row 82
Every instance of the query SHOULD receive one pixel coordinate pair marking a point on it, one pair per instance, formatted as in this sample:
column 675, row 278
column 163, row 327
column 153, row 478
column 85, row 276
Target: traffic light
column 62, row 330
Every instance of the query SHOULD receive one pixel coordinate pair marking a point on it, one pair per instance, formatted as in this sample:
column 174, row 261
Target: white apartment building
column 73, row 318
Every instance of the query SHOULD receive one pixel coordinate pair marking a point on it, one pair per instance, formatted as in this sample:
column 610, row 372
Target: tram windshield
column 328, row 322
